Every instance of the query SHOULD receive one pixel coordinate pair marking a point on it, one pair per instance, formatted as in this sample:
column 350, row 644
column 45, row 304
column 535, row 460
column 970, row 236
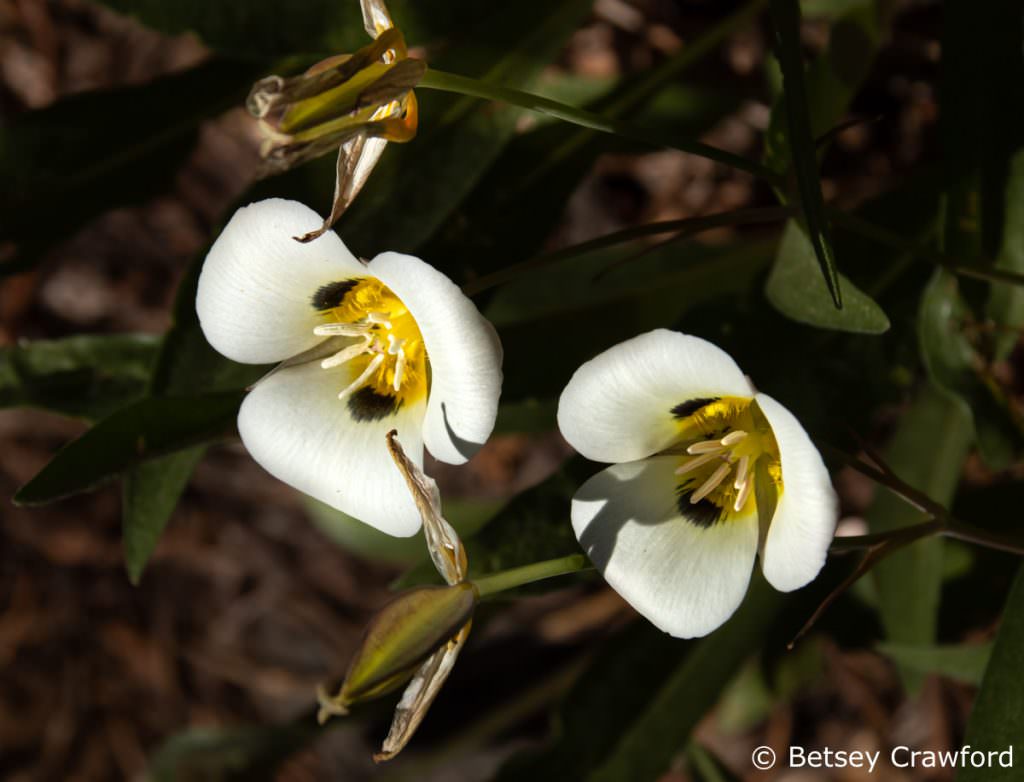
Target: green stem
column 685, row 227
column 462, row 85
column 960, row 531
column 887, row 238
column 667, row 73
column 527, row 574
column 901, row 536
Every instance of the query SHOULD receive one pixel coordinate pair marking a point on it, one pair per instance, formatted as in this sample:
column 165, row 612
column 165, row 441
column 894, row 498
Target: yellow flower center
column 389, row 361
column 727, row 450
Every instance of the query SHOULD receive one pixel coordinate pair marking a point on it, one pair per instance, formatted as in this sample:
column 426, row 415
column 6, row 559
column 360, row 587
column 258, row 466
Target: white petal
column 805, row 520
column 617, row 406
column 298, row 430
column 686, row 579
column 464, row 353
column 256, row 286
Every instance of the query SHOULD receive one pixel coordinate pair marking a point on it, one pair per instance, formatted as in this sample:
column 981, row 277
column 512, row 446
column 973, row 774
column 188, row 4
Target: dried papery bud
column 420, row 693
column 443, row 543
column 420, row 635
column 354, row 103
column 406, row 632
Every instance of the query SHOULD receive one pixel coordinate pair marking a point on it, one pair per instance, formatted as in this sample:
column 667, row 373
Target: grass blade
column 786, row 19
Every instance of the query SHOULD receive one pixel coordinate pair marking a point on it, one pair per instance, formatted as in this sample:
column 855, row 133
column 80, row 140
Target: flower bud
column 400, row 638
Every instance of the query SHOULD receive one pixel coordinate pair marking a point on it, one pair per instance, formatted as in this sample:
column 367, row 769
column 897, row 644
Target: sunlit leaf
column 143, row 430
column 796, row 290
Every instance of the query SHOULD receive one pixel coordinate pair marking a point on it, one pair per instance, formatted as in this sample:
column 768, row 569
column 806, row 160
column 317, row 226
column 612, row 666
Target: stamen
column 707, row 446
column 399, row 369
column 733, row 437
column 341, row 329
column 394, row 345
column 346, row 354
column 711, row 483
column 695, row 462
column 741, row 471
column 379, row 317
column 741, row 498
column 370, row 369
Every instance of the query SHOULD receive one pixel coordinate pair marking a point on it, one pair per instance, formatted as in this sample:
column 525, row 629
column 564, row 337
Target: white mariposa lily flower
column 706, row 472
column 366, row 348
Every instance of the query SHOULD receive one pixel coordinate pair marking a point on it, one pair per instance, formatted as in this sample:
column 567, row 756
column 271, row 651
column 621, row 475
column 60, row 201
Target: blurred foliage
column 249, row 754
column 928, row 452
column 965, row 662
column 84, row 376
column 88, row 153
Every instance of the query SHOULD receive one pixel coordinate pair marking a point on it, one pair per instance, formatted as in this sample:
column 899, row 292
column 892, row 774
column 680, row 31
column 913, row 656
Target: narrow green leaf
column 962, row 662
column 646, row 749
column 637, row 704
column 1006, row 301
column 997, row 722
column 144, row 430
column 927, row 452
column 832, row 79
column 797, row 291
column 419, row 185
column 150, row 491
column 655, row 291
column 83, row 376
column 513, row 209
column 786, row 21
column 462, row 85
column 615, row 687
column 680, row 228
column 149, row 494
